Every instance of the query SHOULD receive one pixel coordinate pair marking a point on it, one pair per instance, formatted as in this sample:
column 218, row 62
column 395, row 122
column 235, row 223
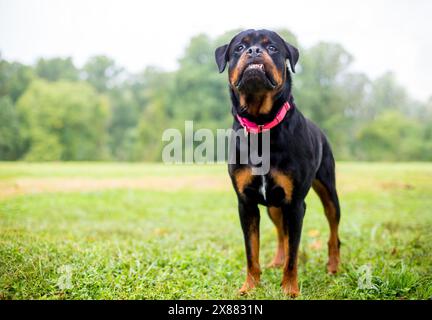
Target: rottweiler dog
column 300, row 155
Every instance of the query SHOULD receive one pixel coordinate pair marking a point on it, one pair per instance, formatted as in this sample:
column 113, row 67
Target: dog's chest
column 272, row 190
column 263, row 186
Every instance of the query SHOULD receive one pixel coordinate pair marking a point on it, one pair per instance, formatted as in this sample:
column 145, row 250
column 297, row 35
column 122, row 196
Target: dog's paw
column 290, row 287
column 291, row 291
column 249, row 285
column 333, row 266
column 245, row 289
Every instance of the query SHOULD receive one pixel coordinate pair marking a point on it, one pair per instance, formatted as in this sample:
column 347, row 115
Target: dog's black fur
column 300, row 154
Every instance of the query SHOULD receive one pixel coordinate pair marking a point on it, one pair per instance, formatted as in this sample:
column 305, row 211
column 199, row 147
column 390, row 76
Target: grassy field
column 147, row 231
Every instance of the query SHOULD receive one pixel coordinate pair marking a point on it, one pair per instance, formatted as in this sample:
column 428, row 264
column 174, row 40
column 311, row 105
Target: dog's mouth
column 259, row 66
column 257, row 74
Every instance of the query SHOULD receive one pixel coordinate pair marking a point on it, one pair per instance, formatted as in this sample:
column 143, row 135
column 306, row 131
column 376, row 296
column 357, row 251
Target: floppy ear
column 221, row 55
column 292, row 55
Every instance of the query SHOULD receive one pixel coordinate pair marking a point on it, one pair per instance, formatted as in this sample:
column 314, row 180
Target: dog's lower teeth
column 255, row 66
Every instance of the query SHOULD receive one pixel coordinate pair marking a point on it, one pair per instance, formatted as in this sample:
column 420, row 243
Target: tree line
column 54, row 111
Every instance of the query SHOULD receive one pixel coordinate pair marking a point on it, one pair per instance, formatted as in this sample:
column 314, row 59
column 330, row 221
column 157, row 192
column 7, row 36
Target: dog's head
column 257, row 68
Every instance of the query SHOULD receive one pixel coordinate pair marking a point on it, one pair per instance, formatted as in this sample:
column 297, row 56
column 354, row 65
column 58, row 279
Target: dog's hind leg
column 325, row 186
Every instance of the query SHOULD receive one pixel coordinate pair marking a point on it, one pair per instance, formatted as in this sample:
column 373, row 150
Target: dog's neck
column 261, row 103
column 256, row 103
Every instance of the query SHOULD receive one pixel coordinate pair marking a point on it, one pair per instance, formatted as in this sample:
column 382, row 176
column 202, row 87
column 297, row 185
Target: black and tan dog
column 300, row 155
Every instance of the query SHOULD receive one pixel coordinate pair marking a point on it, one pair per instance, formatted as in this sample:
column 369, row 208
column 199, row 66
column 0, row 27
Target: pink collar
column 252, row 127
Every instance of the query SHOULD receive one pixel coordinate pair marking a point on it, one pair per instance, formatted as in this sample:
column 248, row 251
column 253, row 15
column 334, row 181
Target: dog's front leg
column 250, row 219
column 293, row 221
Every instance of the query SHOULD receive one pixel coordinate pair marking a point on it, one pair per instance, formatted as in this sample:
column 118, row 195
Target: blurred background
column 101, row 80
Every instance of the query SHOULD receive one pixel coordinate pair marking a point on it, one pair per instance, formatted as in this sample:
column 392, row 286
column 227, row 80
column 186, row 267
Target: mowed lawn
column 150, row 231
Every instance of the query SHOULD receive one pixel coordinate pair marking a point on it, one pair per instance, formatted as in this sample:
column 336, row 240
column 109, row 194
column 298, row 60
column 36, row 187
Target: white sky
column 382, row 35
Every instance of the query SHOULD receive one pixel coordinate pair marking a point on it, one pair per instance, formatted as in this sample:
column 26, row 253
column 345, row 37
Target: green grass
column 187, row 244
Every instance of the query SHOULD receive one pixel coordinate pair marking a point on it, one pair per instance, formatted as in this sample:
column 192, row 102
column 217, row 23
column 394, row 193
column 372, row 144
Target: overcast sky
column 382, row 35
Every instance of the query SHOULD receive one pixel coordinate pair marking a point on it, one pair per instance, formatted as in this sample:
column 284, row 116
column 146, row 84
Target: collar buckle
column 260, row 128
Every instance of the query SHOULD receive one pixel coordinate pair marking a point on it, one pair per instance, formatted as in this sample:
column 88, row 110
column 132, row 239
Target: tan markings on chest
column 243, row 177
column 284, row 181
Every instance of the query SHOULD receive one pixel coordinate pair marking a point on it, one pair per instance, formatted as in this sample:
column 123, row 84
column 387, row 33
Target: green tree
column 319, row 84
column 102, row 73
column 10, row 140
column 129, row 104
column 392, row 136
column 200, row 93
column 57, row 69
column 14, row 79
column 63, row 121
column 327, row 92
column 147, row 137
column 386, row 94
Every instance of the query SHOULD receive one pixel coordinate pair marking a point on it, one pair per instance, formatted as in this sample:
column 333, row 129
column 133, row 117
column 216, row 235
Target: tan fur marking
column 254, row 270
column 289, row 281
column 246, row 39
column 267, row 103
column 284, row 181
column 265, row 41
column 243, row 177
column 260, row 104
column 330, row 212
column 235, row 73
column 255, row 246
column 242, row 100
column 271, row 68
column 282, row 238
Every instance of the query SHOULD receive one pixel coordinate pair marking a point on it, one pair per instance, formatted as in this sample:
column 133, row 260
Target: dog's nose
column 254, row 51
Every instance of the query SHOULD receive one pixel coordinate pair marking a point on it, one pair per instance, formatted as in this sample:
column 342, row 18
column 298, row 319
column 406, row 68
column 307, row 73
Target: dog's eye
column 272, row 48
column 240, row 48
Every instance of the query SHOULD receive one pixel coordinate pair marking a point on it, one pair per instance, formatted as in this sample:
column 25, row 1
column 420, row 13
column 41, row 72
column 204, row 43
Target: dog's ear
column 292, row 54
column 221, row 55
